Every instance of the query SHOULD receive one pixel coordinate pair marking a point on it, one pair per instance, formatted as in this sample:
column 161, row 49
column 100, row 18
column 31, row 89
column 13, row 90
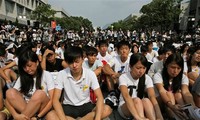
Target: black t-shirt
column 54, row 67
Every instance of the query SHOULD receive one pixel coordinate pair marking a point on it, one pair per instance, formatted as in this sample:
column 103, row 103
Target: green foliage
column 43, row 13
column 74, row 23
column 160, row 14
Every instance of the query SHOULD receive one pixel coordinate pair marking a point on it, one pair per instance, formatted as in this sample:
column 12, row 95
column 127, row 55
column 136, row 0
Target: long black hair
column 176, row 82
column 26, row 80
column 133, row 60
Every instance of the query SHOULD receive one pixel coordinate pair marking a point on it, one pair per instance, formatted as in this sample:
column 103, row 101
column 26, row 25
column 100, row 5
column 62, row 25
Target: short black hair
column 123, row 43
column 91, row 51
column 72, row 53
column 102, row 42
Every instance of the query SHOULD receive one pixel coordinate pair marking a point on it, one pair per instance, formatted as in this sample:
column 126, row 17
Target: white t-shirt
column 151, row 55
column 155, row 67
column 47, row 84
column 118, row 66
column 157, row 78
column 96, row 64
column 127, row 80
column 76, row 92
column 106, row 58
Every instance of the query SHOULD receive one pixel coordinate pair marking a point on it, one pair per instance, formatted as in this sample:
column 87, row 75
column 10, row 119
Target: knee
column 7, row 71
column 39, row 95
column 146, row 100
column 11, row 93
column 51, row 115
column 137, row 100
column 107, row 109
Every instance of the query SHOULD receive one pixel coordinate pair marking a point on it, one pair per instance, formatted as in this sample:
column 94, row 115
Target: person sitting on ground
column 172, row 86
column 196, row 92
column 50, row 62
column 193, row 64
column 158, row 66
column 6, row 73
column 76, row 81
column 91, row 62
column 32, row 94
column 114, row 68
column 133, row 86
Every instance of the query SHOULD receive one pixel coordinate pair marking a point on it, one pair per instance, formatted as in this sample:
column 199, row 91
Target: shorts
column 5, row 110
column 122, row 114
column 78, row 111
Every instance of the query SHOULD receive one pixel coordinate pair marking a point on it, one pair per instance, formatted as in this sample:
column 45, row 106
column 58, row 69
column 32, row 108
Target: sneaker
column 112, row 101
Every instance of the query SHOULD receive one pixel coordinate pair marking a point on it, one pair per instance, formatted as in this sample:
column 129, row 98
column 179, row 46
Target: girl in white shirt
column 172, row 86
column 133, row 86
column 32, row 94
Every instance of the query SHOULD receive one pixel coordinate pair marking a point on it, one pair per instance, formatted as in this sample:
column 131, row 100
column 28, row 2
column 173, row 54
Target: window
column 9, row 7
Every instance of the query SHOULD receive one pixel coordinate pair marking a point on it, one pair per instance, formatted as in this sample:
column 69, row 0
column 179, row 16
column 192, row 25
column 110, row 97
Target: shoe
column 112, row 101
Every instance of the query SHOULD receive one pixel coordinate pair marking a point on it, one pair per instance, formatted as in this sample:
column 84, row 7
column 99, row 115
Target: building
column 183, row 18
column 60, row 12
column 19, row 9
column 194, row 13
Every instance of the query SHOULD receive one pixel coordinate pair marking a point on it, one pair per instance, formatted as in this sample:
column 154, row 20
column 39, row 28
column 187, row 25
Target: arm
column 151, row 71
column 151, row 95
column 48, row 106
column 163, row 93
column 57, row 105
column 12, row 64
column 109, row 71
column 99, row 104
column 129, row 102
column 14, row 113
column 64, row 64
column 98, row 71
column 43, row 62
column 187, row 96
column 1, row 95
column 3, row 75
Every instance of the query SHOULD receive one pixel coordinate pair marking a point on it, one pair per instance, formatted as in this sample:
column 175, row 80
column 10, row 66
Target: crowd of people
column 81, row 75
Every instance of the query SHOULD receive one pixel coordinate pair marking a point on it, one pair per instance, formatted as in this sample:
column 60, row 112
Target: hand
column 21, row 117
column 115, row 75
column 47, row 51
column 141, row 118
column 33, row 118
column 179, row 112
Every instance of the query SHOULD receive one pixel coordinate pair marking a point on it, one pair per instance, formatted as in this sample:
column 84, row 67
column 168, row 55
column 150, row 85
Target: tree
column 43, row 13
column 161, row 13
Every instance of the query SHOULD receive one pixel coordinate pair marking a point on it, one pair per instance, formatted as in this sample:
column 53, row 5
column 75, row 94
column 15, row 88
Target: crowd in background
column 145, row 75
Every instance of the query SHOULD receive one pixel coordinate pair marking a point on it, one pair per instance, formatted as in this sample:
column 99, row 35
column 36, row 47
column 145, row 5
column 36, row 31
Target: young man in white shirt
column 114, row 68
column 76, row 81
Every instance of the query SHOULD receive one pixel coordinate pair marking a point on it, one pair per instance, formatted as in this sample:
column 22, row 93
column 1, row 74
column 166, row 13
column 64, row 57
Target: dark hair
column 50, row 47
column 191, row 52
column 26, row 80
column 160, row 51
column 123, row 43
column 102, row 42
column 133, row 60
column 168, row 48
column 176, row 82
column 72, row 53
column 91, row 51
column 149, row 43
column 183, row 47
column 2, row 49
column 143, row 49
